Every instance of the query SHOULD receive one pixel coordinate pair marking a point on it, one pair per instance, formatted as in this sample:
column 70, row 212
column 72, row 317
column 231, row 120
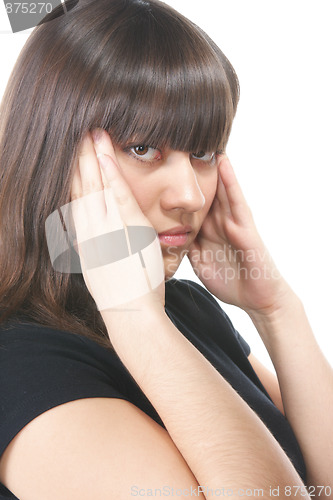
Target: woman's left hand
column 229, row 256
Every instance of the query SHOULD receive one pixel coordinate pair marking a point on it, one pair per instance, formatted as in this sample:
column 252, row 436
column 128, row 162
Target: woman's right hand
column 119, row 250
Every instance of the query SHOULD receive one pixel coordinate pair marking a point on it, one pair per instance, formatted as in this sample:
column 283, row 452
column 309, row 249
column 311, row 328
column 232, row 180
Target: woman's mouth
column 176, row 236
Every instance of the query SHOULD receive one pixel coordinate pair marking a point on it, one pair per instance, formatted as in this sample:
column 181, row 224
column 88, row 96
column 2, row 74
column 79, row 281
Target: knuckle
column 84, row 151
column 92, row 187
column 75, row 196
column 122, row 198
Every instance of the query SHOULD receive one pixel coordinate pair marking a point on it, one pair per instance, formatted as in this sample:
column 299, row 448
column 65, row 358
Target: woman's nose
column 181, row 185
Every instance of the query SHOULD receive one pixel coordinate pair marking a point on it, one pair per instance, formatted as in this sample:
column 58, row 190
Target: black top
column 41, row 368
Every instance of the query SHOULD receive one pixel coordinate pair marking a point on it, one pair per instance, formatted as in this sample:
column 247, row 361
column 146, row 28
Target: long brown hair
column 136, row 68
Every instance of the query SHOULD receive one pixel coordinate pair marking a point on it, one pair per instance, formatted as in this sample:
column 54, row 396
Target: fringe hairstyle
column 136, row 68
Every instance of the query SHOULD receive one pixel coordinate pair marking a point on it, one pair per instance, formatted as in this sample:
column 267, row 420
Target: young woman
column 121, row 381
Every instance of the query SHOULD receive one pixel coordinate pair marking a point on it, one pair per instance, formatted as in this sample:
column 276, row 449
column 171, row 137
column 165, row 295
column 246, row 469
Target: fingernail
column 97, row 135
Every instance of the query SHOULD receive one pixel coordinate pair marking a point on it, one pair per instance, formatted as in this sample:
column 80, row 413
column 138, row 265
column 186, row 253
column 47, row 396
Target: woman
column 113, row 383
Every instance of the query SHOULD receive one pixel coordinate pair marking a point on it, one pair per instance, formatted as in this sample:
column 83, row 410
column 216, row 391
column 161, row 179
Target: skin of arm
column 94, row 448
column 169, row 369
column 304, row 375
column 203, row 424
column 306, row 382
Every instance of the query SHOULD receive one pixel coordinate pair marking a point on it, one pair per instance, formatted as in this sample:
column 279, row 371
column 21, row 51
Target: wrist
column 286, row 306
column 132, row 317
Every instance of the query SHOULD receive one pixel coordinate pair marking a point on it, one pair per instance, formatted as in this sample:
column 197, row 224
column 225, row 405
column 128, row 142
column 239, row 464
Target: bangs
column 174, row 88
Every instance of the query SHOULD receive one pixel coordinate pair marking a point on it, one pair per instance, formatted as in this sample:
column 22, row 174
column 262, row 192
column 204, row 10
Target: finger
column 73, row 219
column 222, row 197
column 76, row 188
column 238, row 206
column 91, row 178
column 87, row 208
column 113, row 179
column 103, row 145
column 118, row 190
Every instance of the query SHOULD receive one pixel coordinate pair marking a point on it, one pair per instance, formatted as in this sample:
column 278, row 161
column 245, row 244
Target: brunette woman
column 118, row 383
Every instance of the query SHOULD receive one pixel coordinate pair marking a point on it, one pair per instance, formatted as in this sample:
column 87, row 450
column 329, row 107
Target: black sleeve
column 215, row 305
column 245, row 346
column 41, row 368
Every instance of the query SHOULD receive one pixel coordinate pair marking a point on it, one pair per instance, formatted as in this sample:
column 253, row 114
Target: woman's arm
column 95, row 448
column 306, row 382
column 248, row 278
column 223, row 441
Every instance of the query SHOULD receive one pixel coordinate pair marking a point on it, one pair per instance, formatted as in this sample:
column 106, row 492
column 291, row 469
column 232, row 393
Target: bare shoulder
column 93, row 448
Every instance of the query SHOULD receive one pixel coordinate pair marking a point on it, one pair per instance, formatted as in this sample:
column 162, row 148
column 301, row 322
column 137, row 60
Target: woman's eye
column 204, row 156
column 145, row 153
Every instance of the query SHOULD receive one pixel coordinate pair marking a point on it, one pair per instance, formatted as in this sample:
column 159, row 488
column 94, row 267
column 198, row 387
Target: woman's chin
column 172, row 262
column 168, row 276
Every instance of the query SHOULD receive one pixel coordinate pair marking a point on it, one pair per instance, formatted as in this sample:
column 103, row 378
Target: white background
column 281, row 143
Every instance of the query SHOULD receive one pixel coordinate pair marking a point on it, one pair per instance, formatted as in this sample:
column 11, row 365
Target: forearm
column 223, row 441
column 306, row 383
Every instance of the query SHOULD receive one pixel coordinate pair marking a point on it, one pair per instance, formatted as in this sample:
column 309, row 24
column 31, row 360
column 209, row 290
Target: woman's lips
column 175, row 240
column 176, row 236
